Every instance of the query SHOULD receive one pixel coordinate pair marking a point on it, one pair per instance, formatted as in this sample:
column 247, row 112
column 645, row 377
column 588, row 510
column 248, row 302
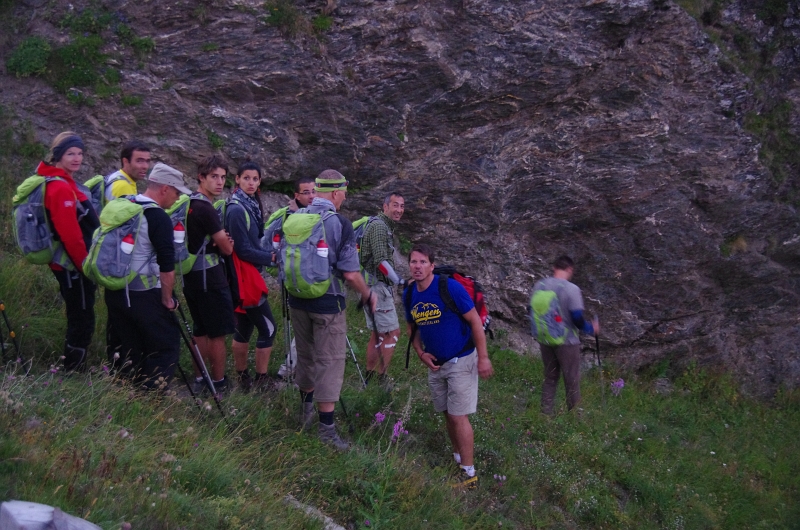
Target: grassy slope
column 699, row 457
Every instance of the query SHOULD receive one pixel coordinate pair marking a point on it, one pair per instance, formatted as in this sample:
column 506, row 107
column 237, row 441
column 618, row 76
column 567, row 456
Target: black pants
column 148, row 334
column 78, row 294
column 259, row 317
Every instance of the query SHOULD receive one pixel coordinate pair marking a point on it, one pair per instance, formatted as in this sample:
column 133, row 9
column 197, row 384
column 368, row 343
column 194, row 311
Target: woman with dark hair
column 73, row 221
column 244, row 221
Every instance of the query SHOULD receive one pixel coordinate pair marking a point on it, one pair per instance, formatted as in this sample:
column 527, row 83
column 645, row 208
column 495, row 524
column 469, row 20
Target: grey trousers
column 557, row 360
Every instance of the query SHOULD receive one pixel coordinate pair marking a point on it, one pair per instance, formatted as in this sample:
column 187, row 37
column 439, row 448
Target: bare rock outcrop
column 604, row 129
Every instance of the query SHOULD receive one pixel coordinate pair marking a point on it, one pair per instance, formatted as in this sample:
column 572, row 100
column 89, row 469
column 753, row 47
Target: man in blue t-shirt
column 453, row 347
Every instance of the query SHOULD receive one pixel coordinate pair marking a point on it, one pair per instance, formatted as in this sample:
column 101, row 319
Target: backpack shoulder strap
column 444, row 293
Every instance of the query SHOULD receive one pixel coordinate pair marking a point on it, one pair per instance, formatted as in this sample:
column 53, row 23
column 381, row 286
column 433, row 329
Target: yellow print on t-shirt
column 426, row 313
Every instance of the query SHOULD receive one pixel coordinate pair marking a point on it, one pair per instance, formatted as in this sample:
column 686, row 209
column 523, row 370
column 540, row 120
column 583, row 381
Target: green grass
column 29, row 58
column 215, row 140
column 700, row 457
column 130, row 100
column 209, row 47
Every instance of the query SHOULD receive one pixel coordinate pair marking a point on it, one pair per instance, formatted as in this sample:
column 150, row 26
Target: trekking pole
column 10, row 334
column 599, row 364
column 188, row 386
column 355, row 360
column 287, row 333
column 194, row 350
column 350, row 426
column 410, row 342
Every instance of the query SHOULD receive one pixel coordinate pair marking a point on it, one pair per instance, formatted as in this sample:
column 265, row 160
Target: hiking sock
column 326, row 418
column 198, row 379
column 220, row 385
column 307, row 397
column 457, row 458
column 469, row 470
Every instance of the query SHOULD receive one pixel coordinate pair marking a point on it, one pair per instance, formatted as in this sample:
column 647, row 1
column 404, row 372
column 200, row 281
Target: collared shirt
column 377, row 246
column 122, row 185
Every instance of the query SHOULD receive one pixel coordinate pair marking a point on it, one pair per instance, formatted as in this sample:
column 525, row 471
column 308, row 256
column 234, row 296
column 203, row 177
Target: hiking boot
column 245, row 381
column 309, row 415
column 464, row 481
column 222, row 387
column 74, row 359
column 329, row 436
column 262, row 383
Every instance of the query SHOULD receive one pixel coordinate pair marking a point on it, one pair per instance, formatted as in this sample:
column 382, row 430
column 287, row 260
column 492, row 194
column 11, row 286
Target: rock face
column 517, row 131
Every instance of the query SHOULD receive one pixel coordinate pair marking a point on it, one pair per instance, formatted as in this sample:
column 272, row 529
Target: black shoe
column 74, row 359
column 245, row 381
column 221, row 387
column 262, row 383
column 199, row 387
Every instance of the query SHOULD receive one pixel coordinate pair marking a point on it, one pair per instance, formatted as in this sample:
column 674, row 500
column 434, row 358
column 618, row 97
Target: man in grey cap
column 141, row 315
column 320, row 324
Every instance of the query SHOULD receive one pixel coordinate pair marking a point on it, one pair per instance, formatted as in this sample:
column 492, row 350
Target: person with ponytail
column 73, row 221
column 244, row 220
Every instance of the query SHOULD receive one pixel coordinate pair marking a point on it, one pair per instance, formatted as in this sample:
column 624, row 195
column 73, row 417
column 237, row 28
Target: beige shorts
column 386, row 314
column 454, row 386
column 321, row 342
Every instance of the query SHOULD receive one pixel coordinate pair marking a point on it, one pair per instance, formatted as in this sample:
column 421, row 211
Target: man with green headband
column 319, row 323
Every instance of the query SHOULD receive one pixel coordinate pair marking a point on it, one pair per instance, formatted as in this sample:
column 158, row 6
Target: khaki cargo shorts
column 454, row 386
column 386, row 314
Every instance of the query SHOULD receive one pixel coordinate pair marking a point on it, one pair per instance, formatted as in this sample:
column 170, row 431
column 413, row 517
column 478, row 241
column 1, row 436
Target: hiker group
column 139, row 245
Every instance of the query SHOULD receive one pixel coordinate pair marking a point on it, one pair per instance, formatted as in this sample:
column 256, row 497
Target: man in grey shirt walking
column 556, row 328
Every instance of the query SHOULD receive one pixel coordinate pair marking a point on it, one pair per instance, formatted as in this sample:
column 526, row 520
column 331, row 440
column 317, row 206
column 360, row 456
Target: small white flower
column 639, row 439
column 713, row 453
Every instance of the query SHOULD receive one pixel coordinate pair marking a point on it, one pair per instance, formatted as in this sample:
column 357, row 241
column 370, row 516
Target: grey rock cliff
column 604, row 129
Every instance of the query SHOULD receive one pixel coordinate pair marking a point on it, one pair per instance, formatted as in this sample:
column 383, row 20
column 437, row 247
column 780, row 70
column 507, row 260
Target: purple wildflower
column 379, row 417
column 617, row 386
column 366, row 522
column 398, row 430
column 89, row 383
column 105, row 368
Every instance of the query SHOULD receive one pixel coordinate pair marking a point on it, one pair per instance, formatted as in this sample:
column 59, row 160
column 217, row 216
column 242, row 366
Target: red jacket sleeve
column 62, row 206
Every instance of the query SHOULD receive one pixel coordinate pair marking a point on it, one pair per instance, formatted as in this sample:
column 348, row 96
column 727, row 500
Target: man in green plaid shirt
column 377, row 259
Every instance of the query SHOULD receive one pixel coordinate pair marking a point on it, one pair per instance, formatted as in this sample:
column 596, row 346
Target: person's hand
column 371, row 302
column 427, row 359
column 171, row 304
column 596, row 325
column 485, row 370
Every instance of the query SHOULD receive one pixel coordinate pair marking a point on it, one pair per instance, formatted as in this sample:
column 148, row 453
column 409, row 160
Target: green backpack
column 178, row 213
column 547, row 322
column 97, row 186
column 109, row 260
column 305, row 269
column 31, row 226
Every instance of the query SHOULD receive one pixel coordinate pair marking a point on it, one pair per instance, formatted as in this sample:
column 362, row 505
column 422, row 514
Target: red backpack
column 471, row 285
